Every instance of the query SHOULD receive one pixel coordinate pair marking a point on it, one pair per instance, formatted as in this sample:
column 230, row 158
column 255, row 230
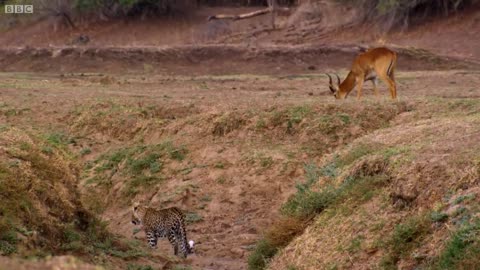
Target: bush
column 260, row 257
column 406, row 12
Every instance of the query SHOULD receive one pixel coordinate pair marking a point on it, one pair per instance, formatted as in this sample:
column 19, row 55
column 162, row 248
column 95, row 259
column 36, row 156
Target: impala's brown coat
column 377, row 62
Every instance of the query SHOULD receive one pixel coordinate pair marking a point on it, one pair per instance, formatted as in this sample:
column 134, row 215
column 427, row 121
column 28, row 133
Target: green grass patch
column 142, row 164
column 85, row 151
column 261, row 255
column 298, row 113
column 139, row 182
column 356, row 153
column 133, row 266
column 221, row 180
column 464, row 198
column 331, row 124
column 260, row 124
column 8, row 237
column 261, row 159
column 307, row 202
column 193, row 217
column 462, row 251
column 59, row 139
column 95, row 239
column 355, row 245
column 405, row 237
column 219, row 165
column 436, row 216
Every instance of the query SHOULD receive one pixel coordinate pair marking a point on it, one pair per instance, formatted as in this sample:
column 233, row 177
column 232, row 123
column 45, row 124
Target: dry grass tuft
column 227, row 123
column 284, row 230
column 124, row 121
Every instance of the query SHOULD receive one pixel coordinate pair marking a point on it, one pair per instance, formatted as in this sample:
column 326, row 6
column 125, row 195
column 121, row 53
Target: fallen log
column 240, row 16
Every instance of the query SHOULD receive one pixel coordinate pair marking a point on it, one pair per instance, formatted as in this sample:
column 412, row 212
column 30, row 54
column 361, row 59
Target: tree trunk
column 273, row 7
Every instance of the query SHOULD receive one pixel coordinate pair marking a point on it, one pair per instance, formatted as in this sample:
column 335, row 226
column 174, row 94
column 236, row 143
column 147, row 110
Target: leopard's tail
column 185, row 246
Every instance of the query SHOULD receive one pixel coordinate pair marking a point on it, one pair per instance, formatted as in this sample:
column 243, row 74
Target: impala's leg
column 375, row 89
column 392, row 78
column 359, row 87
column 391, row 85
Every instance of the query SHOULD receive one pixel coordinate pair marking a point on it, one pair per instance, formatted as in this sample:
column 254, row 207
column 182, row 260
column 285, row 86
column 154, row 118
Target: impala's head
column 138, row 213
column 334, row 88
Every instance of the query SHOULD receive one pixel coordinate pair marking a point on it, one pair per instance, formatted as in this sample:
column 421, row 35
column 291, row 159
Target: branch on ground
column 240, row 16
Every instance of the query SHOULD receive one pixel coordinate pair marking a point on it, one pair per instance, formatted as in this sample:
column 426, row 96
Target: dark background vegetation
column 392, row 13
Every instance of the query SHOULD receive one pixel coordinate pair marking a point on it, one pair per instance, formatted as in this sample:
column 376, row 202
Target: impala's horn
column 338, row 79
column 330, row 82
column 329, row 78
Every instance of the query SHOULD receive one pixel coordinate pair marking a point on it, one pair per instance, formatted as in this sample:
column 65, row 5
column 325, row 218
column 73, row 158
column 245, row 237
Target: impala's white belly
column 371, row 75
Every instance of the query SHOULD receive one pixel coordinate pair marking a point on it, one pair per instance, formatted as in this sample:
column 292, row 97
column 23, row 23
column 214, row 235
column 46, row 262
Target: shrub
column 261, row 255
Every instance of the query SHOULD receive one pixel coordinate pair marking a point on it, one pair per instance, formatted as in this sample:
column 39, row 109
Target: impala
column 367, row 66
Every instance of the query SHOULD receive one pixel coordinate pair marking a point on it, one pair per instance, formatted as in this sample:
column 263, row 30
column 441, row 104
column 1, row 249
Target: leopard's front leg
column 151, row 239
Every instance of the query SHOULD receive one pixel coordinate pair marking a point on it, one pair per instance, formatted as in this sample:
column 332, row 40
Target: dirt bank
column 208, row 59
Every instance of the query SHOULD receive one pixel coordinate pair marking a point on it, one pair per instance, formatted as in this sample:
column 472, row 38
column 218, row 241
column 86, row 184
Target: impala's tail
column 391, row 67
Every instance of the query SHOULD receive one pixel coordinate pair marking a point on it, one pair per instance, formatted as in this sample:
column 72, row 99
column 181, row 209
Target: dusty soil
column 239, row 198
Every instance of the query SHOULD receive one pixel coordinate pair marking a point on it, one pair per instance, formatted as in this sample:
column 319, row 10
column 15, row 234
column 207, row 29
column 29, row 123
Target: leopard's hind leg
column 173, row 240
column 182, row 241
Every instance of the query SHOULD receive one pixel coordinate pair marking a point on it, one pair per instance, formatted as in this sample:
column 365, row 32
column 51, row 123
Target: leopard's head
column 138, row 213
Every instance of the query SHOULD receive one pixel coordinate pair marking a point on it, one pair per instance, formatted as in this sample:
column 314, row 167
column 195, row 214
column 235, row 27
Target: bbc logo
column 18, row 8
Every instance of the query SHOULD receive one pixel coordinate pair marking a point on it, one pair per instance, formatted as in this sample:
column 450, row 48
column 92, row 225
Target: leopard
column 161, row 223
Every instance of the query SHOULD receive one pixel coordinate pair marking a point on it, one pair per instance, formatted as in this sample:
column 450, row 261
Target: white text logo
column 18, row 8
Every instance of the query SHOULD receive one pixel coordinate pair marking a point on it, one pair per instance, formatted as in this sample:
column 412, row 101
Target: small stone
column 237, row 252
